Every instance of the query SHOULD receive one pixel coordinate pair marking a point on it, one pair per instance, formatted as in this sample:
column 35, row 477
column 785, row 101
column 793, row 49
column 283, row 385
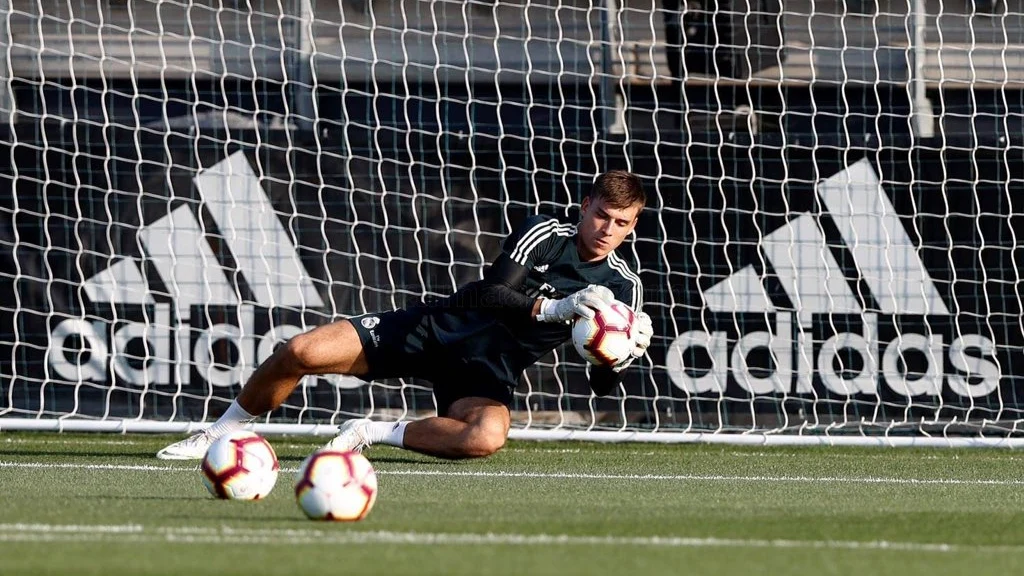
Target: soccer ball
column 608, row 337
column 240, row 466
column 333, row 485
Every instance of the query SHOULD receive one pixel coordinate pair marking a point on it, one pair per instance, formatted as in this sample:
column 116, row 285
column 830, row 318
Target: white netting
column 831, row 244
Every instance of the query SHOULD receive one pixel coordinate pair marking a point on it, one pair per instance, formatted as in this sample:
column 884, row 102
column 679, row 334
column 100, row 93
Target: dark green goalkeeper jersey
column 545, row 262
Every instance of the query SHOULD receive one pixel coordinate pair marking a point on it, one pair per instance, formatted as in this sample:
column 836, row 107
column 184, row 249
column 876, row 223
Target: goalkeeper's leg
column 472, row 427
column 334, row 348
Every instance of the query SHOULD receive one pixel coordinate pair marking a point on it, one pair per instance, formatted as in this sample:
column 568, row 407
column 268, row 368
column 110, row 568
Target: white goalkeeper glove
column 644, row 332
column 582, row 303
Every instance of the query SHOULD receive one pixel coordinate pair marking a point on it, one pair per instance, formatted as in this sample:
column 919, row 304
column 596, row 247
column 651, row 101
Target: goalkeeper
column 473, row 345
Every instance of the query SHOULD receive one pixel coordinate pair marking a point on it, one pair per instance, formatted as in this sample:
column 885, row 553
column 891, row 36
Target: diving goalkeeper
column 474, row 345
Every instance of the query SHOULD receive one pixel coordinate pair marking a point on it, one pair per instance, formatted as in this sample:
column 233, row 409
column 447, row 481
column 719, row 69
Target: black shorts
column 403, row 344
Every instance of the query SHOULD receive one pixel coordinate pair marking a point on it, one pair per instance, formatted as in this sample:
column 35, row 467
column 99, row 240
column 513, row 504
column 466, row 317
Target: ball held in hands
column 609, row 337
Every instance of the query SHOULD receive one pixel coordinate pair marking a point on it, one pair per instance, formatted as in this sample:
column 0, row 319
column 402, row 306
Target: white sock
column 390, row 433
column 234, row 418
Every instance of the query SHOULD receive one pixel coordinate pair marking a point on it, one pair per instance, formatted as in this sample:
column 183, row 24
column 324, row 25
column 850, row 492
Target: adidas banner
column 820, row 286
column 147, row 275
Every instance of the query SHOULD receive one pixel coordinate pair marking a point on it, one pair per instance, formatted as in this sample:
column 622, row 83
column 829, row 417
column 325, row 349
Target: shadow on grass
column 424, row 460
column 298, row 520
column 124, row 497
column 297, row 460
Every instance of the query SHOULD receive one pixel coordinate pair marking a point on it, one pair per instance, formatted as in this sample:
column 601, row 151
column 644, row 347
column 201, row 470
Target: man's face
column 602, row 228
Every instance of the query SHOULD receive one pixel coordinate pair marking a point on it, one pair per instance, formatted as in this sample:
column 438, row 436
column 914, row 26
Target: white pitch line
column 122, row 467
column 92, row 442
column 76, row 441
column 567, row 475
column 73, row 528
column 133, row 533
column 708, row 477
column 550, row 450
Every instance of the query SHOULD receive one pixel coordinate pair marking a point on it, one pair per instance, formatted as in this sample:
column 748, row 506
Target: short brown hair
column 619, row 189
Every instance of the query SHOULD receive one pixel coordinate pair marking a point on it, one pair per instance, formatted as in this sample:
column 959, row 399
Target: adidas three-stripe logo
column 886, row 330
column 180, row 250
column 809, row 273
column 182, row 254
column 537, row 234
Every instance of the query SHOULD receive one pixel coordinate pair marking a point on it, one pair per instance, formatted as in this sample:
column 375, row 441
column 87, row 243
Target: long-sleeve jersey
column 490, row 319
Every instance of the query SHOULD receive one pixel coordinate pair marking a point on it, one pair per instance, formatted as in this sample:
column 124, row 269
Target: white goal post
column 832, row 250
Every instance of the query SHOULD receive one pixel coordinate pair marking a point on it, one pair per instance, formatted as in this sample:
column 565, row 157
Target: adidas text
column 781, row 360
column 164, row 351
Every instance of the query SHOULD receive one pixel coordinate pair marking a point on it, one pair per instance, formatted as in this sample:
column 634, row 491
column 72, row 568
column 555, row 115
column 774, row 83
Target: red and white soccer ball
column 333, row 485
column 608, row 337
column 240, row 466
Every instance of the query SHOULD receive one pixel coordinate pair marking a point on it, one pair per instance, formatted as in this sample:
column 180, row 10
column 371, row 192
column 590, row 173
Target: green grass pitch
column 102, row 504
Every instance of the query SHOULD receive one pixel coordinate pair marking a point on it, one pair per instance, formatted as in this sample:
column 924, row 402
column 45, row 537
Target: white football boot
column 351, row 437
column 191, row 448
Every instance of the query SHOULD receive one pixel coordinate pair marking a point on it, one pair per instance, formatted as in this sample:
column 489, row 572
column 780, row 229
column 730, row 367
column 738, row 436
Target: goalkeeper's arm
column 499, row 292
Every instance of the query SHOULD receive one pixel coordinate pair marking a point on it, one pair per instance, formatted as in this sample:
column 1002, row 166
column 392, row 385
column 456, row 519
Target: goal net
column 831, row 250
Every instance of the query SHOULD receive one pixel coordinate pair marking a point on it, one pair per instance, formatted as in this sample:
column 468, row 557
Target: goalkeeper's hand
column 582, row 303
column 644, row 332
